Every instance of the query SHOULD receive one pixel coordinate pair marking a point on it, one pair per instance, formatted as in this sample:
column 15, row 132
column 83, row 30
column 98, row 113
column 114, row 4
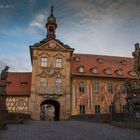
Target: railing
column 51, row 91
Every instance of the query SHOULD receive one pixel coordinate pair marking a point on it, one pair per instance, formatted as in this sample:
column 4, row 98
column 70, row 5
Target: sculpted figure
column 136, row 55
column 3, row 79
column 128, row 86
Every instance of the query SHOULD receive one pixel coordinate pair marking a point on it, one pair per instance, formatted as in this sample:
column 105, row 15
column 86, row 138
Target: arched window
column 81, row 87
column 44, row 62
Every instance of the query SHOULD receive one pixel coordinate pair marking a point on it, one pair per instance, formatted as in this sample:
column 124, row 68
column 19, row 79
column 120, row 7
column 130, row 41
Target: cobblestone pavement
column 67, row 130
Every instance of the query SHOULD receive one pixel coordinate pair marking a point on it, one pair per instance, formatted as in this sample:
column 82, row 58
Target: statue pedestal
column 133, row 104
column 3, row 112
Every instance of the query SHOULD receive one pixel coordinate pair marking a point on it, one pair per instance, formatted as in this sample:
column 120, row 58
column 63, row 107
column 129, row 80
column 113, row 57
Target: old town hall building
column 63, row 83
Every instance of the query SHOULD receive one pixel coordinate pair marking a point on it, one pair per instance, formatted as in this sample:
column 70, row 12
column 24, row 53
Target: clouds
column 104, row 27
column 108, row 27
column 39, row 21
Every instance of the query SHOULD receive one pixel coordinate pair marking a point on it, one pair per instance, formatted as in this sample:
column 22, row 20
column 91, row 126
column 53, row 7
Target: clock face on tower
column 52, row 45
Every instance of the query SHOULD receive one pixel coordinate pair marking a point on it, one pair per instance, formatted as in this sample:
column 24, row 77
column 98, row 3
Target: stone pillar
column 3, row 112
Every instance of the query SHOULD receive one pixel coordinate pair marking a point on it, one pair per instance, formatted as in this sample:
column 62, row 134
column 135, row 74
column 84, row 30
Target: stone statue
column 3, row 80
column 128, row 86
column 136, row 55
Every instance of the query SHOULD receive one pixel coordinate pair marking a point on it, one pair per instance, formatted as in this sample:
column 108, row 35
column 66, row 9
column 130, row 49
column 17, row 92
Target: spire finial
column 52, row 10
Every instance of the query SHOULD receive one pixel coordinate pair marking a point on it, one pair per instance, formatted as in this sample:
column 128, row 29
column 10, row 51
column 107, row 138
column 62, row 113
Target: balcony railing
column 51, row 91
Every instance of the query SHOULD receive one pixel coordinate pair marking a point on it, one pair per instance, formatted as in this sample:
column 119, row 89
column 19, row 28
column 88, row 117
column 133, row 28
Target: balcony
column 51, row 92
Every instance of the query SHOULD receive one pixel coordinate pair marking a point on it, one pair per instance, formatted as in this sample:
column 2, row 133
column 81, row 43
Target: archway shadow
column 56, row 106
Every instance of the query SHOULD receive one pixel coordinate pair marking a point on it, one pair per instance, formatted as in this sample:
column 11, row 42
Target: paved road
column 67, row 130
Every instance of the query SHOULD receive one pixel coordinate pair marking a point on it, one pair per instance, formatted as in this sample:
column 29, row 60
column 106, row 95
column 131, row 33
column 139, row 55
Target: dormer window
column 23, row 83
column 108, row 71
column 119, row 72
column 95, row 70
column 132, row 73
column 9, row 82
column 100, row 60
column 81, row 69
column 77, row 59
column 123, row 62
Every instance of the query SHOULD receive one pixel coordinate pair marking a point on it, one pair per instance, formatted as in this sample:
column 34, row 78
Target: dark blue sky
column 108, row 27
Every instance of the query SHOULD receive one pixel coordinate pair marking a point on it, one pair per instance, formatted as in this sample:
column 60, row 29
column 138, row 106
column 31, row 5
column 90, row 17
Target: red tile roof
column 90, row 61
column 19, row 83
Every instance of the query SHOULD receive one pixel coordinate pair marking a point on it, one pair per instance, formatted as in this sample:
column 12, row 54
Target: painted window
column 58, row 82
column 96, row 87
column 44, row 62
column 58, row 62
column 82, row 109
column 43, row 82
column 97, row 109
column 110, row 88
column 81, row 87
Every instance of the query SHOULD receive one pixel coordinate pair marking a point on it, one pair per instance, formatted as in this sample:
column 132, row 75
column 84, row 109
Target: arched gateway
column 50, row 110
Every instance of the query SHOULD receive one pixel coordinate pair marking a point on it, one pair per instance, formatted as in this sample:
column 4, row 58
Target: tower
column 51, row 25
column 50, row 75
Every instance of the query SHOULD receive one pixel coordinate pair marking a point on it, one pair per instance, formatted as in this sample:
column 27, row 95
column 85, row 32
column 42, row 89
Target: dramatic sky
column 106, row 27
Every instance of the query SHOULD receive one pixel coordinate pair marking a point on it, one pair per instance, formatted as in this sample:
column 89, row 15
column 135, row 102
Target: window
column 23, row 83
column 110, row 108
column 132, row 73
column 82, row 109
column 123, row 109
column 119, row 72
column 96, row 87
column 77, row 59
column 58, row 62
column 100, row 60
column 81, row 69
column 43, row 82
column 44, row 62
column 20, row 103
column 51, row 29
column 108, row 71
column 95, row 70
column 123, row 88
column 110, row 88
column 81, row 87
column 97, row 109
column 123, row 62
column 58, row 82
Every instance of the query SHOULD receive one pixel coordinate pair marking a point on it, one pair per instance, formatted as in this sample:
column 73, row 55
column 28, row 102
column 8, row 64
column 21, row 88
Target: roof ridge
column 103, row 55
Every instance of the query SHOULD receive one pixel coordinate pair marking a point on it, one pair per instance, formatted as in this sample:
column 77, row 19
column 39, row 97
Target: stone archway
column 50, row 110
